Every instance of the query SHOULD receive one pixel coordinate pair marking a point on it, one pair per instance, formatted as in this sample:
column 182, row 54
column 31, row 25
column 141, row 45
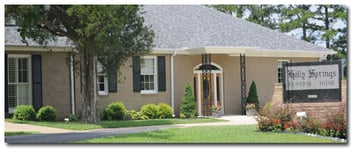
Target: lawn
column 116, row 124
column 210, row 134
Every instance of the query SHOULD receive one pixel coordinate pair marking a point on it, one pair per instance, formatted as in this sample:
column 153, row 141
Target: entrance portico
column 215, row 88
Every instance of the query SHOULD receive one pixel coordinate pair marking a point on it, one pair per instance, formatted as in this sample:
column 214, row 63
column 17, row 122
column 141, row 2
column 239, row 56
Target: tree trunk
column 89, row 89
column 327, row 40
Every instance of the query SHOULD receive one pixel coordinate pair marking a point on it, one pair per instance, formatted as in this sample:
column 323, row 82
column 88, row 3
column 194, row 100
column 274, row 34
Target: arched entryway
column 214, row 91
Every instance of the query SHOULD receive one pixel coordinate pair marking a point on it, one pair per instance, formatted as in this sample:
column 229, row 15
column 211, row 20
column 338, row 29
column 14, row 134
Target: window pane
column 100, row 68
column 101, row 78
column 22, row 70
column 280, row 70
column 147, row 82
column 23, row 94
column 101, row 87
column 147, row 68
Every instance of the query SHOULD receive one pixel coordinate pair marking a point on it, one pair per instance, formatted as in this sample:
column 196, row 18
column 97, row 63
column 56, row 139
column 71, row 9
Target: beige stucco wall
column 264, row 72
column 261, row 69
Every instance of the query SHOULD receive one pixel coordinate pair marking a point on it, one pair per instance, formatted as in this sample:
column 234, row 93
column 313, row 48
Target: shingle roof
column 192, row 26
column 12, row 37
column 178, row 26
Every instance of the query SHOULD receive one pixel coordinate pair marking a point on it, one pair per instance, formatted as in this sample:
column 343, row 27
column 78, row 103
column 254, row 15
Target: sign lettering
column 312, row 77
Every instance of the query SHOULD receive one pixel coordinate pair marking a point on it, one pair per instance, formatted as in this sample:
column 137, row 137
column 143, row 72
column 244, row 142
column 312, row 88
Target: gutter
column 73, row 108
column 172, row 81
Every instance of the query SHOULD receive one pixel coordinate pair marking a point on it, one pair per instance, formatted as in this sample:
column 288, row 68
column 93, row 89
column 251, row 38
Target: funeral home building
column 218, row 54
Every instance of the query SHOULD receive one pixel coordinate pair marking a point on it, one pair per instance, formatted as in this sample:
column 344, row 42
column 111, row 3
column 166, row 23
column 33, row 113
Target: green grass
column 210, row 134
column 20, row 133
column 116, row 124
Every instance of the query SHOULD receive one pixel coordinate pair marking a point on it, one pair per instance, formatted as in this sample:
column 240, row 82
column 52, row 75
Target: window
column 19, row 81
column 102, row 79
column 280, row 70
column 148, row 75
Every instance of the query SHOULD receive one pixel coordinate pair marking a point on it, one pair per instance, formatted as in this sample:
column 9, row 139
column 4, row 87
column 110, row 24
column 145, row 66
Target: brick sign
column 312, row 82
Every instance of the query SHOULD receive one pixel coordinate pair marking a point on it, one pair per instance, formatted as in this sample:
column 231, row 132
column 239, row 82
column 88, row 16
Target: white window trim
column 11, row 110
column 105, row 80
column 155, row 91
column 281, row 60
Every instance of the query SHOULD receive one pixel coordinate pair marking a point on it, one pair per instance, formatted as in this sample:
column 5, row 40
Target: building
column 192, row 43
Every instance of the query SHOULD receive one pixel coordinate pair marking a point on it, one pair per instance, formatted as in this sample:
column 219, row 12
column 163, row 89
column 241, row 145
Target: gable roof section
column 192, row 27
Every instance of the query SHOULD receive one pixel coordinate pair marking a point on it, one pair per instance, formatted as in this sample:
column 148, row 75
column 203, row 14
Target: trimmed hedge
column 134, row 115
column 150, row 110
column 24, row 112
column 165, row 111
column 115, row 111
column 47, row 113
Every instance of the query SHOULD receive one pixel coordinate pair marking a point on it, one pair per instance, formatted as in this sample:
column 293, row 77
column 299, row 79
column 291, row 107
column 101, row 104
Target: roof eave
column 248, row 51
column 24, row 48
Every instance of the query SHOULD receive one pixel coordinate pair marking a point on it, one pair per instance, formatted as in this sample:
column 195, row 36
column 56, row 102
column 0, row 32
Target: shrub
column 165, row 111
column 73, row 117
column 278, row 119
column 47, row 113
column 274, row 118
column 24, row 112
column 134, row 115
column 150, row 110
column 188, row 108
column 114, row 111
column 252, row 97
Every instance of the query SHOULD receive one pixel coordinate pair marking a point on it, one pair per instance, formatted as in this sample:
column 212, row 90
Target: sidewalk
column 14, row 127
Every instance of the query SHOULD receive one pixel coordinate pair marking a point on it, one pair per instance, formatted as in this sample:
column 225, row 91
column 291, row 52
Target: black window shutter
column 161, row 66
column 6, row 87
column 37, row 87
column 136, row 74
column 112, row 79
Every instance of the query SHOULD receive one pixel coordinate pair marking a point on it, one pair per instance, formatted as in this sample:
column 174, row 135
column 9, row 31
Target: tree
column 264, row 15
column 237, row 10
column 259, row 14
column 329, row 15
column 252, row 98
column 299, row 17
column 188, row 108
column 106, row 33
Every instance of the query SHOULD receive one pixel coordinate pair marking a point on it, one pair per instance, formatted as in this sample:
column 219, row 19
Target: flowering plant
column 250, row 106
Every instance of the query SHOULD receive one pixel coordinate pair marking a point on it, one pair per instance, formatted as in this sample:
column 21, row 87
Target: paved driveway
column 54, row 135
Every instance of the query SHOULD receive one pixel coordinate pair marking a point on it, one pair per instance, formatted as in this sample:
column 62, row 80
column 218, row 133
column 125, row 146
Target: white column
column 199, row 94
column 215, row 88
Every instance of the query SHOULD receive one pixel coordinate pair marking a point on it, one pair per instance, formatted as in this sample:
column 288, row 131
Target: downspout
column 172, row 81
column 72, row 85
